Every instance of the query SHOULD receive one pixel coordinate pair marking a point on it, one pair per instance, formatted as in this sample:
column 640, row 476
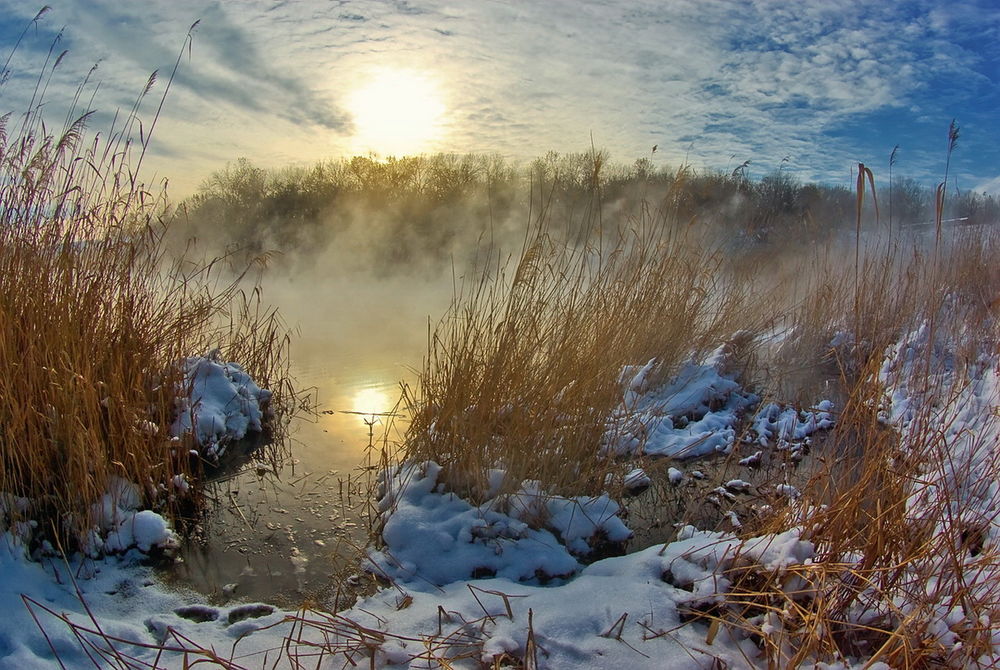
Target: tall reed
column 902, row 509
column 523, row 373
column 95, row 318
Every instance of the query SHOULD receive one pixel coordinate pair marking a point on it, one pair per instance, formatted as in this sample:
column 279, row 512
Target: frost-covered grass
column 97, row 322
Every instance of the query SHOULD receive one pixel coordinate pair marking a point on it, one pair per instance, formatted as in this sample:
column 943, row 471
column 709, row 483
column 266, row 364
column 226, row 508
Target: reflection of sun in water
column 371, row 401
column 396, row 112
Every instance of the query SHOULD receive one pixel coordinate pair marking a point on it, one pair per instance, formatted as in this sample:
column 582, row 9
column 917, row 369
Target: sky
column 812, row 86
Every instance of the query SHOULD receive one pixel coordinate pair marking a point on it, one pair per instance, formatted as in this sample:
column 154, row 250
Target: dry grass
column 94, row 319
column 903, row 519
column 523, row 372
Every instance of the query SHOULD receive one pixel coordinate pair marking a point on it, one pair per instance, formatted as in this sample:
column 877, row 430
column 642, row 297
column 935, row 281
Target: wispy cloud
column 706, row 79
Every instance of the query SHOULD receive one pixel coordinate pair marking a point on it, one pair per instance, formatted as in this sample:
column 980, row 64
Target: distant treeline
column 421, row 210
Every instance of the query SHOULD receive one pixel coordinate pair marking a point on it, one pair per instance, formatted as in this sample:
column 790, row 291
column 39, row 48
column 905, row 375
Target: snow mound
column 143, row 530
column 694, row 414
column 122, row 526
column 433, row 536
column 219, row 404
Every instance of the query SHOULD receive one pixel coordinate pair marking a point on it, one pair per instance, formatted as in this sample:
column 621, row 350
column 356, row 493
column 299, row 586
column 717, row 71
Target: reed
column 522, row 374
column 95, row 317
column 901, row 516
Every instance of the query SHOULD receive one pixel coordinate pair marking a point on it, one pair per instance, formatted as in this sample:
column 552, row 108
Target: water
column 282, row 529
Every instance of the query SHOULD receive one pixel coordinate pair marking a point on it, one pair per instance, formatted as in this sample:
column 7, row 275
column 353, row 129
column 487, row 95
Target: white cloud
column 761, row 80
column 991, row 186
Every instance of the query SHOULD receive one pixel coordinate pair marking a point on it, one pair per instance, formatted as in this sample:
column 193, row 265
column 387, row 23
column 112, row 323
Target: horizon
column 805, row 88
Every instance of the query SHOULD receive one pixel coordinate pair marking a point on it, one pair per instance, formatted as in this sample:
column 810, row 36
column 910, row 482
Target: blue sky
column 716, row 82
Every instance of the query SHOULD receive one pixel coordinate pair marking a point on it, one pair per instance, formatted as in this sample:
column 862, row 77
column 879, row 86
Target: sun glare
column 371, row 401
column 396, row 112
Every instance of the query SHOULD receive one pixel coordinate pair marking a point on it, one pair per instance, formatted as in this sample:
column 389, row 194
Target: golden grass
column 94, row 319
column 523, row 372
column 900, row 519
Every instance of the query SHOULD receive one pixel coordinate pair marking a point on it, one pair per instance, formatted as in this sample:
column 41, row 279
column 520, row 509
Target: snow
column 128, row 604
column 969, row 423
column 434, row 537
column 219, row 403
column 121, row 525
column 618, row 612
column 636, row 480
column 143, row 530
column 621, row 611
column 784, row 426
column 738, row 486
column 787, row 490
column 693, row 414
column 521, row 573
column 699, row 411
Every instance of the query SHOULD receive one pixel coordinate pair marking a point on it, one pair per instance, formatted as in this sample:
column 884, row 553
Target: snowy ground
column 506, row 579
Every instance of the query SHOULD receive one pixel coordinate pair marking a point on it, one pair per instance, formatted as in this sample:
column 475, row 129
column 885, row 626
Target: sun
column 396, row 112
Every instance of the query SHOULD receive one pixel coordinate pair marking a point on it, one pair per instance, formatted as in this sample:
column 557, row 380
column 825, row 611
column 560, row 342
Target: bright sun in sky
column 396, row 112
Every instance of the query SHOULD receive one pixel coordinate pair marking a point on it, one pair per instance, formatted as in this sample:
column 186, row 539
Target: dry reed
column 901, row 515
column 94, row 319
column 523, row 372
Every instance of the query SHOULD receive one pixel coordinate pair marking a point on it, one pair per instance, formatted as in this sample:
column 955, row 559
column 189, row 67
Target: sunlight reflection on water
column 279, row 535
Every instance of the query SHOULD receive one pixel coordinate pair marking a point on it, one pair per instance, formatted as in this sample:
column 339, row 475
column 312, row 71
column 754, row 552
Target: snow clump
column 219, row 404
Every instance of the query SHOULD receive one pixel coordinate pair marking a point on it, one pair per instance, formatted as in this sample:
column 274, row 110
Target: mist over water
column 362, row 271
column 280, row 531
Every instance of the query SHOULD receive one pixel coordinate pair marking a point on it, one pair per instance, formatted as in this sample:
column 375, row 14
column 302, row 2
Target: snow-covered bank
column 629, row 611
column 515, row 578
column 121, row 612
column 626, row 611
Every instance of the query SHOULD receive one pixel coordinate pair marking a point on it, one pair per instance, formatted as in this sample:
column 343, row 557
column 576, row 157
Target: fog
column 363, row 259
